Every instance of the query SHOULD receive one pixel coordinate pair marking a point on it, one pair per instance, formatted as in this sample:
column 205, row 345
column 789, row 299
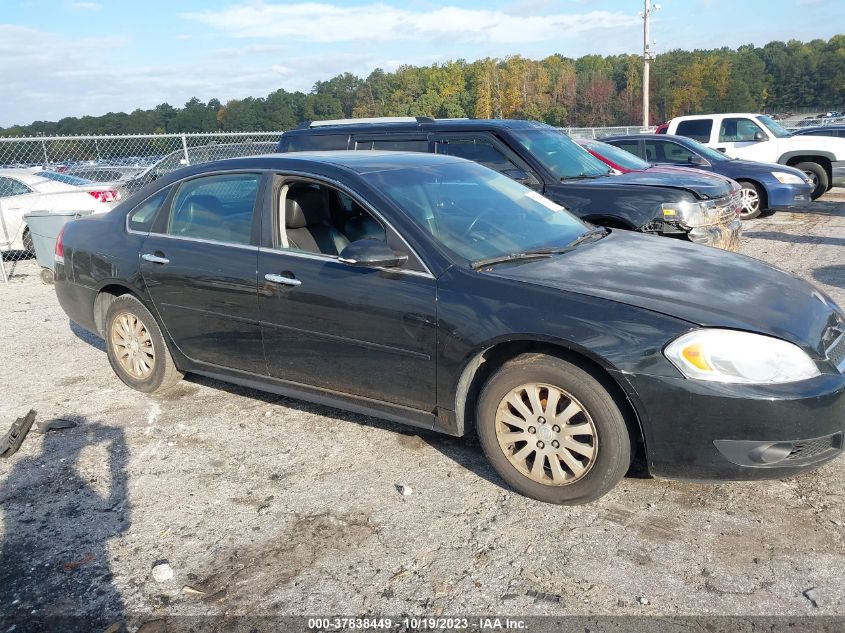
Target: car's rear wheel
column 136, row 348
column 752, row 201
column 818, row 176
column 552, row 430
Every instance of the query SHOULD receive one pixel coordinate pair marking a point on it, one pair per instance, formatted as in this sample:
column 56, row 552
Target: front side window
column 12, row 187
column 217, row 208
column 142, row 217
column 477, row 213
column 477, row 149
column 698, row 129
column 736, row 130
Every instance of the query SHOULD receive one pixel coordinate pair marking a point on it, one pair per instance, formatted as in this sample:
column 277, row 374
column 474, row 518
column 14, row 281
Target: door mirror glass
column 759, row 136
column 695, row 159
column 520, row 175
column 371, row 254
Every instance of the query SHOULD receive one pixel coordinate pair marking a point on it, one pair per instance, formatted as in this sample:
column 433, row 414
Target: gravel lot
column 266, row 505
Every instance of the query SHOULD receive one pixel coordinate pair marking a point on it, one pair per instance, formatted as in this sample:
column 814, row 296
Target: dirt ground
column 267, row 505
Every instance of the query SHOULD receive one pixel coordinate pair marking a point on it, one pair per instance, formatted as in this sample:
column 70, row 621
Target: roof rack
column 382, row 119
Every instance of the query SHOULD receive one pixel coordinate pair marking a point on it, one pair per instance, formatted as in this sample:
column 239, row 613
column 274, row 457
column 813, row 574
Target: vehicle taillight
column 60, row 248
column 109, row 195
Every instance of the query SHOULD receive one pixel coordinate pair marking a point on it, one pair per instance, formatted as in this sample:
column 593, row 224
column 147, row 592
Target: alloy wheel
column 750, row 201
column 132, row 345
column 546, row 434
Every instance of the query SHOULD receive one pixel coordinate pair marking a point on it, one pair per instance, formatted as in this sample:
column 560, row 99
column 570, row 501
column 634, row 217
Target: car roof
column 813, row 128
column 707, row 116
column 361, row 162
column 652, row 137
column 422, row 124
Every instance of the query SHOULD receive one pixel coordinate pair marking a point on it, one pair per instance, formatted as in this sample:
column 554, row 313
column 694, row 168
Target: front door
column 742, row 137
column 366, row 332
column 199, row 265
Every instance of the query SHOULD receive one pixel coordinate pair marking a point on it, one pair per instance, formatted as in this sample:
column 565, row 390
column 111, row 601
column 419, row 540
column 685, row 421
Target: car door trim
column 336, row 259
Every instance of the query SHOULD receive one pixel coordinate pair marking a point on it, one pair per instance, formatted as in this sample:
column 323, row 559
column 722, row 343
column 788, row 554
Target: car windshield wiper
column 510, row 257
column 540, row 253
column 584, row 176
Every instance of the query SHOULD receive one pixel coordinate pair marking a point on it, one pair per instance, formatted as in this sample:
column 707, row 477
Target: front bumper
column 700, row 430
column 780, row 196
column 724, row 236
column 837, row 175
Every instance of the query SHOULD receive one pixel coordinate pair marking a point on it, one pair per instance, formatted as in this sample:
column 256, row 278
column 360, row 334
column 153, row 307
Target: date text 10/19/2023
column 415, row 624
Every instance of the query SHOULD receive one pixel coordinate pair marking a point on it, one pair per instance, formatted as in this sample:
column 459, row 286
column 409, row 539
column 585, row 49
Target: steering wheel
column 474, row 223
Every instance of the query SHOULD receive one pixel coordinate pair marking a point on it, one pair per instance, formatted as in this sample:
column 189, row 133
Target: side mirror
column 695, row 159
column 371, row 254
column 759, row 136
column 520, row 175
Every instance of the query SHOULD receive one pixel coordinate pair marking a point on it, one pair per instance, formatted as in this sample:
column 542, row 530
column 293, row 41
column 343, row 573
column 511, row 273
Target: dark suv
column 702, row 207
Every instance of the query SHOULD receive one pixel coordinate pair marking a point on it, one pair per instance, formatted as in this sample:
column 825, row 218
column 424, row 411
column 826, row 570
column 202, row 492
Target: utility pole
column 648, row 8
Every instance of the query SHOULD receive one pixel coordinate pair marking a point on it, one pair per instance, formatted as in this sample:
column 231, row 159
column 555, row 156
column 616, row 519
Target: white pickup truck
column 758, row 137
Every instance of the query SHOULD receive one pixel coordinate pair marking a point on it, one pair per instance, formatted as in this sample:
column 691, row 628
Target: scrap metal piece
column 11, row 442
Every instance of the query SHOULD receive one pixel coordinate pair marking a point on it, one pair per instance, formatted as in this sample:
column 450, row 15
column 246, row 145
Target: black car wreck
column 436, row 292
column 545, row 159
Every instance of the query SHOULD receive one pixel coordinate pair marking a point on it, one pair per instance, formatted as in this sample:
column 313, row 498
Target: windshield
column 560, row 154
column 618, row 155
column 774, row 127
column 708, row 152
column 477, row 213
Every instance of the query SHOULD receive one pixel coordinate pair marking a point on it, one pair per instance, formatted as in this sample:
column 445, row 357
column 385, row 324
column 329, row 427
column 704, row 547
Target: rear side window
column 632, row 147
column 313, row 142
column 217, row 208
column 478, row 150
column 699, row 129
column 142, row 217
column 395, row 145
column 10, row 187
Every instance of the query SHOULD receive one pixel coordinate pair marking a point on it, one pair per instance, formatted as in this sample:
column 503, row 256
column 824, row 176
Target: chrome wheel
column 750, row 201
column 546, row 434
column 132, row 345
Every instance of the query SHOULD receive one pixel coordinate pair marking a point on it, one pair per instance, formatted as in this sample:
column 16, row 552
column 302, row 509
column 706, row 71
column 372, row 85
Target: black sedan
column 764, row 185
column 433, row 291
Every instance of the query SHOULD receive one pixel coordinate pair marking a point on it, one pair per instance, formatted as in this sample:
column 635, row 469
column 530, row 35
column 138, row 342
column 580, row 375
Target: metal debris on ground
column 162, row 572
column 405, row 491
column 812, row 595
column 12, row 441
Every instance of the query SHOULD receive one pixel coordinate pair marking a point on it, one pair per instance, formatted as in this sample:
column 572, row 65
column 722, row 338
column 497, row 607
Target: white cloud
column 327, row 23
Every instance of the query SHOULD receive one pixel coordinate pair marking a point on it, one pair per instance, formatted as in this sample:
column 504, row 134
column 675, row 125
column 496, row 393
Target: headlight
column 691, row 214
column 788, row 179
column 739, row 357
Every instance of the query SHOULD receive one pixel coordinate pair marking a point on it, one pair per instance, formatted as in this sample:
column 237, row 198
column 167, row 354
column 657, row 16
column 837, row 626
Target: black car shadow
column 55, row 572
column 776, row 236
column 830, row 275
column 84, row 335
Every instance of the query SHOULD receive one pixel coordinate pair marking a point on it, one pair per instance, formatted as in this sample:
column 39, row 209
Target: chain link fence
column 79, row 175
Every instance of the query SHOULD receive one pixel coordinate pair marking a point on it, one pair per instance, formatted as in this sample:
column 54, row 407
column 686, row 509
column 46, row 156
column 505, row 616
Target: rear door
column 199, row 265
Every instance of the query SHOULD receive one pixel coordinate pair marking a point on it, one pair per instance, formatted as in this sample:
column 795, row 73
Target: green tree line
column 593, row 90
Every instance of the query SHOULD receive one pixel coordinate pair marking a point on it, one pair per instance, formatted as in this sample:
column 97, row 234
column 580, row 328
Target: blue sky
column 72, row 57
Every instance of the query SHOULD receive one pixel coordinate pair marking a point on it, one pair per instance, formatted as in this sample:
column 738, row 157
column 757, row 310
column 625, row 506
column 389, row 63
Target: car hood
column 702, row 185
column 750, row 167
column 699, row 284
column 832, row 144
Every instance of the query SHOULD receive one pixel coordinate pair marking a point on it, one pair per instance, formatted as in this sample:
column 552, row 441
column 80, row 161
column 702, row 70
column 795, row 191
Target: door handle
column 280, row 279
column 155, row 259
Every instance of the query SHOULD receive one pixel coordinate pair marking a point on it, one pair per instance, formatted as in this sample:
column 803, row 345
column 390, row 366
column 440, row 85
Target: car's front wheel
column 752, row 201
column 818, row 176
column 552, row 430
column 136, row 348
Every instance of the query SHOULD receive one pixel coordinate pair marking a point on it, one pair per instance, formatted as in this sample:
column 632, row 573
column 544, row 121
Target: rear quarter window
column 313, row 142
column 698, row 129
column 141, row 218
column 395, row 145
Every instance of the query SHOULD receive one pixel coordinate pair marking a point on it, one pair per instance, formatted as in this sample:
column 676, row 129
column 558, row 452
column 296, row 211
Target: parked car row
column 444, row 285
column 758, row 137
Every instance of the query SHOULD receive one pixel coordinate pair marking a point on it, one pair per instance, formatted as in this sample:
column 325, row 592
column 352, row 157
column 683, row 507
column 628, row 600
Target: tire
column 819, row 177
column 578, row 477
column 28, row 245
column 47, row 276
column 752, row 201
column 138, row 353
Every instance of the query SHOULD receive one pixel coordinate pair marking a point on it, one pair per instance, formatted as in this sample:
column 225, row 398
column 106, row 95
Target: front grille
column 728, row 208
column 807, row 449
column 836, row 353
